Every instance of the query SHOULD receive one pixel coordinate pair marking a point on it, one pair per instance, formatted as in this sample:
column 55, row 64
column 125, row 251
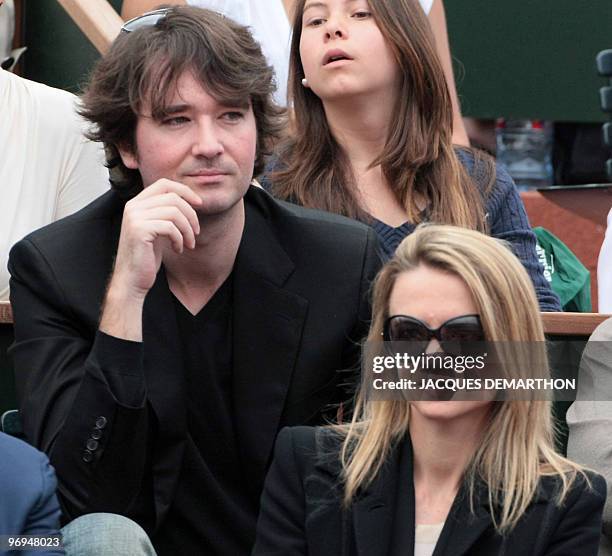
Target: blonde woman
column 448, row 478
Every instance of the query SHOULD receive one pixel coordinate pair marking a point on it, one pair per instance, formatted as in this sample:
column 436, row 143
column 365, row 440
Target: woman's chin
column 445, row 410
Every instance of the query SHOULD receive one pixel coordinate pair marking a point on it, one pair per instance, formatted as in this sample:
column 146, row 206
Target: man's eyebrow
column 176, row 108
column 243, row 103
column 228, row 103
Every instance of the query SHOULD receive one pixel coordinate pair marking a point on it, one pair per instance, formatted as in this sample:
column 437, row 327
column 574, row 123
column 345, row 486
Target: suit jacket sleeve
column 96, row 441
column 579, row 528
column 280, row 527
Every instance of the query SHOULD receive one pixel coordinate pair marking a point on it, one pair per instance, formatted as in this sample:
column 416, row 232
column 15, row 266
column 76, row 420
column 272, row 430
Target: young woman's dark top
column 505, row 214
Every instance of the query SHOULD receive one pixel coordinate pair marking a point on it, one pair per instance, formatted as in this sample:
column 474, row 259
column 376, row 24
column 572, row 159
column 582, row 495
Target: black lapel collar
column 267, row 330
column 163, row 363
column 384, row 517
column 402, row 536
column 375, row 509
column 464, row 527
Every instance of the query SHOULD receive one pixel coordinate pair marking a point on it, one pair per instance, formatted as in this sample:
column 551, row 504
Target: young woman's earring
column 304, row 82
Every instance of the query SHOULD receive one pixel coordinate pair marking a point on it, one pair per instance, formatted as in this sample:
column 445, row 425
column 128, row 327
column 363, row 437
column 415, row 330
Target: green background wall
column 531, row 58
column 58, row 53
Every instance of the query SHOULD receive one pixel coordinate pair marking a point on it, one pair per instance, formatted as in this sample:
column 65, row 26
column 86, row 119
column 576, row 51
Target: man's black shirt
column 211, row 506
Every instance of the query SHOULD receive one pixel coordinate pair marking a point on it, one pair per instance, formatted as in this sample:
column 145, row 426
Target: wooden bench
column 572, row 324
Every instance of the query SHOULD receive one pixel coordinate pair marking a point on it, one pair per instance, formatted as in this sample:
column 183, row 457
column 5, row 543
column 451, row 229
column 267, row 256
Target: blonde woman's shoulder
column 581, row 486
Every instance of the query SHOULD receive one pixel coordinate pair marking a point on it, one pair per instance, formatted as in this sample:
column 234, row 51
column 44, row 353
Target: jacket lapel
column 462, row 527
column 163, row 363
column 402, row 536
column 372, row 518
column 384, row 517
column 267, row 330
column 374, row 512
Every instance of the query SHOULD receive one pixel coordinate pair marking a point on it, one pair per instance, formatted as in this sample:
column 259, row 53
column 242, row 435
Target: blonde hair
column 517, row 447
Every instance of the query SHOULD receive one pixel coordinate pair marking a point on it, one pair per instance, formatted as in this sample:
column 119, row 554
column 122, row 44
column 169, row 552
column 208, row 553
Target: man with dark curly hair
column 166, row 332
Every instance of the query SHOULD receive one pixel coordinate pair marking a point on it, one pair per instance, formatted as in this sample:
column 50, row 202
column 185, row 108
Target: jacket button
column 92, row 445
column 96, row 434
column 87, row 456
column 100, row 422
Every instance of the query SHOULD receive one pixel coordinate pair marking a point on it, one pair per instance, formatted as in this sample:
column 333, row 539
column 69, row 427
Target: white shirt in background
column 48, row 169
column 7, row 28
column 604, row 271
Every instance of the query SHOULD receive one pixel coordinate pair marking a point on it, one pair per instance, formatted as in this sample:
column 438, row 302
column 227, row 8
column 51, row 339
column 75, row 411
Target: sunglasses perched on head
column 402, row 328
column 145, row 20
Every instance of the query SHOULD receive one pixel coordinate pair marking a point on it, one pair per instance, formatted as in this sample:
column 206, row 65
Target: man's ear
column 128, row 156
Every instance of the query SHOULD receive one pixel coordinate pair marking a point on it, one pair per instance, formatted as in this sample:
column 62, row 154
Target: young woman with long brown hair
column 373, row 132
column 407, row 476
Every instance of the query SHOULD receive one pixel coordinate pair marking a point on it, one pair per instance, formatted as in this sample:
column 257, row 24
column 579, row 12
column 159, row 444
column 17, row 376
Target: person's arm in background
column 589, row 418
column 437, row 20
column 28, row 493
column 133, row 8
column 507, row 220
column 84, row 175
column 604, row 270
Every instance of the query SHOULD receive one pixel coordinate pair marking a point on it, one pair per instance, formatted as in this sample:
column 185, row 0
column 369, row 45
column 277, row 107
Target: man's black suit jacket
column 300, row 305
column 302, row 511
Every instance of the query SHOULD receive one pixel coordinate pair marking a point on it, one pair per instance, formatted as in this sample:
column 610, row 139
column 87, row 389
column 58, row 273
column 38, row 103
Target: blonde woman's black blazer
column 301, row 511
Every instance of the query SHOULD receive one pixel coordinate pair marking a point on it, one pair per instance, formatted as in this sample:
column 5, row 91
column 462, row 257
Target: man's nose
column 207, row 141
